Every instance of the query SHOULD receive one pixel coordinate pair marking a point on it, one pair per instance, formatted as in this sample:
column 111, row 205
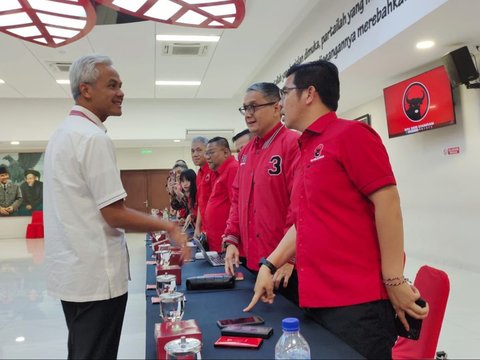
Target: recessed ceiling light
column 189, row 38
column 2, row 81
column 63, row 82
column 176, row 141
column 177, row 83
column 425, row 44
column 20, row 339
column 14, row 142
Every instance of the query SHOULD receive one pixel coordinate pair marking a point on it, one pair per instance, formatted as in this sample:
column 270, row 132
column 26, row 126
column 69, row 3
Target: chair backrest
column 434, row 286
column 37, row 217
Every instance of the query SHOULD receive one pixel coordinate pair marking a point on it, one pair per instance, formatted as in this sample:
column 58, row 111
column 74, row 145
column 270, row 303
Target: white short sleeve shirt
column 86, row 259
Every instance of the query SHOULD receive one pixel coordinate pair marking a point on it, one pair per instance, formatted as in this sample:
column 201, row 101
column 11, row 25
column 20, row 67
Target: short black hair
column 220, row 141
column 321, row 74
column 240, row 134
column 3, row 170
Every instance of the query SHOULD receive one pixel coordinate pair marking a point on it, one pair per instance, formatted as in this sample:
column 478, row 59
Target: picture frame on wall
column 365, row 119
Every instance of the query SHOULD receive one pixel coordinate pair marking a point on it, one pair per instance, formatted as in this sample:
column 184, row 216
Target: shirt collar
column 222, row 167
column 319, row 125
column 90, row 116
column 260, row 141
column 204, row 168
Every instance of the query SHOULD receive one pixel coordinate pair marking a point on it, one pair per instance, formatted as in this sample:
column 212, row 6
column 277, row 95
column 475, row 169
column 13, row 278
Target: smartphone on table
column 250, row 320
column 238, row 342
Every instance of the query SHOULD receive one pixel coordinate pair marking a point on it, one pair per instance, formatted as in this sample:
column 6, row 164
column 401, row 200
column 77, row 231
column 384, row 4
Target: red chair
column 35, row 228
column 37, row 217
column 434, row 286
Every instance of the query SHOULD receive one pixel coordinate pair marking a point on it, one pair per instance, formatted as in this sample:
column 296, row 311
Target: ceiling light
column 189, row 38
column 2, row 81
column 196, row 13
column 220, row 10
column 177, row 83
column 14, row 142
column 63, row 82
column 26, row 31
column 163, row 10
column 52, row 23
column 9, row 5
column 55, row 23
column 130, row 5
column 425, row 44
column 192, row 18
column 176, row 141
column 14, row 19
column 20, row 339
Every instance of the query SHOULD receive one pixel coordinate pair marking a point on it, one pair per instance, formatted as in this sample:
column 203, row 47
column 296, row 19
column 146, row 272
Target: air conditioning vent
column 60, row 67
column 189, row 49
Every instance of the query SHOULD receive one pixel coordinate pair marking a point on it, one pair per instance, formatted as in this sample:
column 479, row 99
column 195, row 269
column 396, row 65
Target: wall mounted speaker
column 460, row 66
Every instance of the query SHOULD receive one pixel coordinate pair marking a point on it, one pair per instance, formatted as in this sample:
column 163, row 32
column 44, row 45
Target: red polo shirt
column 204, row 189
column 218, row 205
column 260, row 215
column 342, row 162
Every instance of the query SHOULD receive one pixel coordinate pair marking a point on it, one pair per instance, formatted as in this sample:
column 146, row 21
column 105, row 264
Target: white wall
column 439, row 193
column 160, row 158
column 36, row 119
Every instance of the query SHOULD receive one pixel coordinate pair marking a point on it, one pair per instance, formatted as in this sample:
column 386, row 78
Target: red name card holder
column 175, row 257
column 168, row 331
column 171, row 269
column 158, row 244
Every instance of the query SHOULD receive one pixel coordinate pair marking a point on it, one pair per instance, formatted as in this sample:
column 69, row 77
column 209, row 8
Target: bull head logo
column 416, row 101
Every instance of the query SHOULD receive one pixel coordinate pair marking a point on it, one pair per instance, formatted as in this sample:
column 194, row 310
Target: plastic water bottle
column 291, row 345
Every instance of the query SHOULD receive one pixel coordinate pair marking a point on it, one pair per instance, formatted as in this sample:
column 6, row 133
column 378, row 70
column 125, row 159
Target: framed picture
column 365, row 119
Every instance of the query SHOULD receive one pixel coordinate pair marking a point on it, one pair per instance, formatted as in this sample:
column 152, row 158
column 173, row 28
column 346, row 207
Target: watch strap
column 268, row 264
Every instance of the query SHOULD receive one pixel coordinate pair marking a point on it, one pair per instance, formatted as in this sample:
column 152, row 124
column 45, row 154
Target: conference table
column 208, row 306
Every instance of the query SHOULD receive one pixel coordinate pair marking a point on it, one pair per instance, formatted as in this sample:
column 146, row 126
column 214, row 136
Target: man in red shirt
column 259, row 216
column 348, row 232
column 224, row 166
column 241, row 139
column 204, row 180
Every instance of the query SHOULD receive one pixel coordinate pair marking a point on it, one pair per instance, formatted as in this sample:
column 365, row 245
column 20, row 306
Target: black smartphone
column 263, row 332
column 415, row 324
column 250, row 320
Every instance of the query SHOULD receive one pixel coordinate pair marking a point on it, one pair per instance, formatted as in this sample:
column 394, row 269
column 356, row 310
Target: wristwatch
column 268, row 264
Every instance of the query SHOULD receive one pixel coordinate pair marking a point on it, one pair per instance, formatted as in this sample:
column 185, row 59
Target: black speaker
column 460, row 66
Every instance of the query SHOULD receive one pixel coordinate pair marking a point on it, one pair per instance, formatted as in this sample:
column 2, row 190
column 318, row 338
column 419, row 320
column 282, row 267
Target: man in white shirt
column 84, row 213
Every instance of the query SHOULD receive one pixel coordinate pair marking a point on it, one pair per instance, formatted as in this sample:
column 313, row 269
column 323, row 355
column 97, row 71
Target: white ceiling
column 234, row 62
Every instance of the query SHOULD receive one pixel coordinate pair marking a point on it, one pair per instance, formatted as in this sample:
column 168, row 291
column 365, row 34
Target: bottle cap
column 290, row 324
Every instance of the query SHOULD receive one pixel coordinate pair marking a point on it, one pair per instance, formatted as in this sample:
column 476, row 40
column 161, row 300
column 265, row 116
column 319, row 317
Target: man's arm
column 388, row 219
column 117, row 215
column 18, row 199
column 198, row 224
column 231, row 237
column 284, row 251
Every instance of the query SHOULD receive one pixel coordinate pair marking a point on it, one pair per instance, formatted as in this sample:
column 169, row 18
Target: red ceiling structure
column 55, row 23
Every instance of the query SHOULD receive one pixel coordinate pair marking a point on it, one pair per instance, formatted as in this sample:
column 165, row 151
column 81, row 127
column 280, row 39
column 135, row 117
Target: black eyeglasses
column 284, row 92
column 252, row 108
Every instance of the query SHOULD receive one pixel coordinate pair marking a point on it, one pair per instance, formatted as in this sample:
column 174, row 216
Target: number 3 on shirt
column 276, row 168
